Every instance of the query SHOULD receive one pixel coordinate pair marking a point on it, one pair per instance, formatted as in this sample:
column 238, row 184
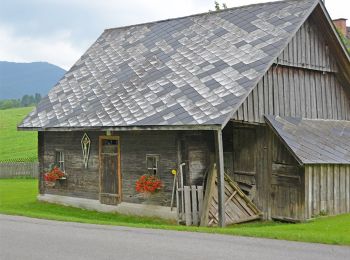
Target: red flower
column 148, row 183
column 54, row 174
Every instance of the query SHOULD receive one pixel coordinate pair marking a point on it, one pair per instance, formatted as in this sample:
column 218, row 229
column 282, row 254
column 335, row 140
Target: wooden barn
column 259, row 94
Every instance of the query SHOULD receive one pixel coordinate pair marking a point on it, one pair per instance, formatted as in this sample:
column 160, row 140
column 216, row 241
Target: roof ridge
column 198, row 14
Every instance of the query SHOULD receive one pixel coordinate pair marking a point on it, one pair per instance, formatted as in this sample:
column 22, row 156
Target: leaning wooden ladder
column 238, row 207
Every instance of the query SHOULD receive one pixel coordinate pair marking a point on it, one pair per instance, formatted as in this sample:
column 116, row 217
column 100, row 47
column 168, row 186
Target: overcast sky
column 59, row 31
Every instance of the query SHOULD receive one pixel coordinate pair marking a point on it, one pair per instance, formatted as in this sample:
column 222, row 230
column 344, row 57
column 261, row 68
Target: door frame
column 118, row 173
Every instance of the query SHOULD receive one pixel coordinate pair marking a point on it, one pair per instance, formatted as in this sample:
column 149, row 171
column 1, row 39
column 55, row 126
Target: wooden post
column 221, row 181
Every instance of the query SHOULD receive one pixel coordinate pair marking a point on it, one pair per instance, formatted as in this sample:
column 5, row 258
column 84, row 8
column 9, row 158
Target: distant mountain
column 18, row 79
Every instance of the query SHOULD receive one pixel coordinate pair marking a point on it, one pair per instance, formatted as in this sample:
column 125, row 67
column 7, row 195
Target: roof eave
column 122, row 128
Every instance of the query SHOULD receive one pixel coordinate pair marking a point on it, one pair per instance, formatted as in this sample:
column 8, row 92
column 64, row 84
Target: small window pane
column 60, row 160
column 152, row 162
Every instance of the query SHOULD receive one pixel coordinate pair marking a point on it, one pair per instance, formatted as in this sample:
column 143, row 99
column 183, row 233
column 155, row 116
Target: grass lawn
column 18, row 197
column 16, row 145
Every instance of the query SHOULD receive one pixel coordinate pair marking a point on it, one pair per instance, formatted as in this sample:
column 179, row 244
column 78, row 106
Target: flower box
column 147, row 185
column 52, row 176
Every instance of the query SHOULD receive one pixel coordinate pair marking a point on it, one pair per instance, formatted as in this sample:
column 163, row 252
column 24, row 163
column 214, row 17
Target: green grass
column 16, row 145
column 18, row 197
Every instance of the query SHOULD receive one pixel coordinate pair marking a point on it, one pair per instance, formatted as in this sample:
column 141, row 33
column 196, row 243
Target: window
column 152, row 162
column 60, row 160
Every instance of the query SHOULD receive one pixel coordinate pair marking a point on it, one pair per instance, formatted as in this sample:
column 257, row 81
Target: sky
column 60, row 31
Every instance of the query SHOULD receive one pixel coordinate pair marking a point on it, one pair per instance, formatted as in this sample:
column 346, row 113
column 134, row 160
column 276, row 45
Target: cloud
column 56, row 48
column 60, row 31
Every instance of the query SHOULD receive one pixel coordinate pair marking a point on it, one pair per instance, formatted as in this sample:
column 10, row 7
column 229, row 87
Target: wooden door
column 244, row 159
column 110, row 175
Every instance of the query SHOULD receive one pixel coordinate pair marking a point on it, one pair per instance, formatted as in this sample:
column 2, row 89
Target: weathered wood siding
column 81, row 182
column 134, row 146
column 308, row 49
column 196, row 148
column 265, row 170
column 248, row 161
column 287, row 199
column 303, row 82
column 287, row 91
column 245, row 157
column 327, row 189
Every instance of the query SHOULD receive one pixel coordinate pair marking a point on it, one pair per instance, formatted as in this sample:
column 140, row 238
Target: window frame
column 59, row 160
column 153, row 170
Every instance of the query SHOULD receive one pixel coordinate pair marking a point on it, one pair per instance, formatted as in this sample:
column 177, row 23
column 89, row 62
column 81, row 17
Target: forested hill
column 19, row 79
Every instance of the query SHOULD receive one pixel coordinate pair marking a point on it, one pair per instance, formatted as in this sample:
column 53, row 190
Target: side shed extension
column 322, row 148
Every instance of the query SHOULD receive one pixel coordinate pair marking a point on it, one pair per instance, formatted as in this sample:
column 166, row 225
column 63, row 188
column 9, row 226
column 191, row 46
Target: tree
column 217, row 6
column 344, row 39
column 37, row 98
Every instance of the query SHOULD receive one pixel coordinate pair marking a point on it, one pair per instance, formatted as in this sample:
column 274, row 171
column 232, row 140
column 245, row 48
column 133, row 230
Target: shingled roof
column 314, row 141
column 194, row 70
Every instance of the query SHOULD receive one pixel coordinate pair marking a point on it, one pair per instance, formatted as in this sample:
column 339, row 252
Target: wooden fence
column 193, row 196
column 19, row 169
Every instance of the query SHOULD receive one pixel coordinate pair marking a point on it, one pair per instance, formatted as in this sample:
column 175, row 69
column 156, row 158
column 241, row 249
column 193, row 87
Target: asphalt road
column 27, row 238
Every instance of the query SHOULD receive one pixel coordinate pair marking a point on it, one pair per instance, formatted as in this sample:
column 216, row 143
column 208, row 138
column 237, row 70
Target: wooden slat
column 238, row 208
column 188, row 211
column 194, row 205
column 200, row 201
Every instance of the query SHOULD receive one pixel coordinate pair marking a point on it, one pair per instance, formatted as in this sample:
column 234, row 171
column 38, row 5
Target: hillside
column 19, row 79
column 16, row 145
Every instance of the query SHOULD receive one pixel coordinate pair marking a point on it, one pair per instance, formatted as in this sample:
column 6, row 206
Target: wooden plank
column 200, row 201
column 330, row 190
column 334, row 99
column 310, row 197
column 280, row 92
column 347, row 188
column 253, row 108
column 313, row 96
column 238, row 208
column 286, row 92
column 292, row 96
column 261, row 99
column 338, row 98
column 336, row 188
column 302, row 93
column 269, row 85
column 319, row 101
column 188, row 212
column 342, row 188
column 245, row 110
column 323, row 188
column 275, row 88
column 266, row 102
column 209, row 193
column 307, row 87
column 240, row 113
column 307, row 45
column 194, row 205
column 315, row 191
column 297, row 94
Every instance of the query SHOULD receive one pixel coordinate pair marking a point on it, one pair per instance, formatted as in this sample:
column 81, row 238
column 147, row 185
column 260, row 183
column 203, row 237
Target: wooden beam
column 221, row 173
column 123, row 128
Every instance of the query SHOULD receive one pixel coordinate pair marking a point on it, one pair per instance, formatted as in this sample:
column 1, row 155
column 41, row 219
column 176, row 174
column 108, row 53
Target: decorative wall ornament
column 85, row 147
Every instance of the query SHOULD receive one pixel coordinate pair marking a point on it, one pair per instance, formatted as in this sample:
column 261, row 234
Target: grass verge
column 16, row 145
column 18, row 197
